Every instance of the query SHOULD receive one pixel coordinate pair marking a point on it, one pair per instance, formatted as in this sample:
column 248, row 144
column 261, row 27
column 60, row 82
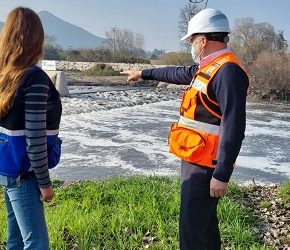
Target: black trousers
column 198, row 224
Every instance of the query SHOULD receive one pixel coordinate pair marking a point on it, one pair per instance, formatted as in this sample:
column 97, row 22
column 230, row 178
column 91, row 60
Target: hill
column 68, row 35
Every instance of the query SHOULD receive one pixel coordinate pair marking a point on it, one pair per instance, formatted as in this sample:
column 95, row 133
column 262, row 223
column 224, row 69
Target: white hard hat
column 207, row 21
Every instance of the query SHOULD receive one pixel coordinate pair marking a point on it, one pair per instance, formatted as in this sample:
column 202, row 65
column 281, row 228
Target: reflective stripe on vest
column 21, row 132
column 205, row 127
column 195, row 141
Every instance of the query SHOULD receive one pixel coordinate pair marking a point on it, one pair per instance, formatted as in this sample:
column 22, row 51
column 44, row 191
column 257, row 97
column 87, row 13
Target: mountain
column 68, row 35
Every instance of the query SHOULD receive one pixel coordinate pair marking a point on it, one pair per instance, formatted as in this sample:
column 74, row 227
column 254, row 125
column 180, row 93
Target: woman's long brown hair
column 21, row 45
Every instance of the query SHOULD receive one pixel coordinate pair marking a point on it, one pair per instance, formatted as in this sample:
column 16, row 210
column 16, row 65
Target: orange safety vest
column 192, row 140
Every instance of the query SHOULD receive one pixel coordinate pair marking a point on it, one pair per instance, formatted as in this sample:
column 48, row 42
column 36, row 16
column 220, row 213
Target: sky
column 156, row 20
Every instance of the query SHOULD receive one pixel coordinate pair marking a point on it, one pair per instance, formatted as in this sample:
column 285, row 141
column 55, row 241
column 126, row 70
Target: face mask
column 195, row 58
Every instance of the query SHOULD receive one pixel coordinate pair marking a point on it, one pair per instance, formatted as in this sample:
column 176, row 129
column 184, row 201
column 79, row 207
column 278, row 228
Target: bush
column 101, row 70
column 270, row 75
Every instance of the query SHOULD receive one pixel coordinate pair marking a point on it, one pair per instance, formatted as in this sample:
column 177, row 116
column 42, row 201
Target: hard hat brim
column 185, row 37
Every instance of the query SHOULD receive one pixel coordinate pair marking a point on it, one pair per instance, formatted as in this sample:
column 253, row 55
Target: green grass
column 284, row 193
column 132, row 213
column 2, row 221
column 264, row 204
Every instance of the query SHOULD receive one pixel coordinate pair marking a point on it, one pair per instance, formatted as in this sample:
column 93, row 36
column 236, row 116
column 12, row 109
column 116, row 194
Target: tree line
column 121, row 45
column 262, row 51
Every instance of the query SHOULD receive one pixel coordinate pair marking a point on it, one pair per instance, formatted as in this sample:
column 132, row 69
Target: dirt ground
column 78, row 78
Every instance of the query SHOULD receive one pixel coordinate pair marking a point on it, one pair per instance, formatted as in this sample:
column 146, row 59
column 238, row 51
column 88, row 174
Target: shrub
column 101, row 70
column 270, row 74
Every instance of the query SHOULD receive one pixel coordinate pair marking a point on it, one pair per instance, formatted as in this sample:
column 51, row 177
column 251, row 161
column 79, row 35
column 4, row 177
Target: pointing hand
column 133, row 75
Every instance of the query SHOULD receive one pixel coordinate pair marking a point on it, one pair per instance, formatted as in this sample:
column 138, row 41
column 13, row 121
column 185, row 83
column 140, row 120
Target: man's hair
column 217, row 36
column 21, row 45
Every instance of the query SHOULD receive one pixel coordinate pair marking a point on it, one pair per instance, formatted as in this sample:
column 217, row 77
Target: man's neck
column 213, row 47
column 207, row 59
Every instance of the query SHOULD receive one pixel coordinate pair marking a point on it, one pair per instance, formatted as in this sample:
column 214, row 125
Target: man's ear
column 204, row 41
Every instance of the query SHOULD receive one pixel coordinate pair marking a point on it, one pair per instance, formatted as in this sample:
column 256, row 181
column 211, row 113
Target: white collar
column 206, row 60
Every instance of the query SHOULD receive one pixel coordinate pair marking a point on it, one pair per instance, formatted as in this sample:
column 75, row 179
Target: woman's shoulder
column 36, row 75
column 37, row 72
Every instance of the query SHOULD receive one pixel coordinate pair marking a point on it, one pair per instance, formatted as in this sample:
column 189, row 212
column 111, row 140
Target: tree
column 51, row 49
column 74, row 55
column 101, row 55
column 199, row 1
column 125, row 42
column 156, row 53
column 282, row 44
column 185, row 14
column 49, row 41
column 268, row 77
column 249, row 39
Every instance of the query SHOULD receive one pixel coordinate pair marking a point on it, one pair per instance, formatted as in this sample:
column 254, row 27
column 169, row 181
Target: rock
column 175, row 86
column 272, row 222
column 162, row 84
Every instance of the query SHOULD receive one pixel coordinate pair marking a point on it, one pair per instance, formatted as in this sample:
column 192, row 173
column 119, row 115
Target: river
column 124, row 133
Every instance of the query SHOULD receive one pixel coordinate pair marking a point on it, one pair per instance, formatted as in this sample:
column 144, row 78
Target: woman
column 30, row 110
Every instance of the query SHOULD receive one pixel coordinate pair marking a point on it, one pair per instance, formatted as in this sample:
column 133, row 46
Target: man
column 209, row 133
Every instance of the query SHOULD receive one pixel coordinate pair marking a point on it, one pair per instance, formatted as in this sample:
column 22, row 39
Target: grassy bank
column 133, row 213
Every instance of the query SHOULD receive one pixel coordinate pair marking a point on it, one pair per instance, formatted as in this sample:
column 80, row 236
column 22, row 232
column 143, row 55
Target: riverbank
column 142, row 213
column 79, row 78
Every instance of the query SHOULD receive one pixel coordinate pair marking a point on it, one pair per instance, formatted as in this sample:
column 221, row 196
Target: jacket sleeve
column 35, row 126
column 175, row 75
column 230, row 89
